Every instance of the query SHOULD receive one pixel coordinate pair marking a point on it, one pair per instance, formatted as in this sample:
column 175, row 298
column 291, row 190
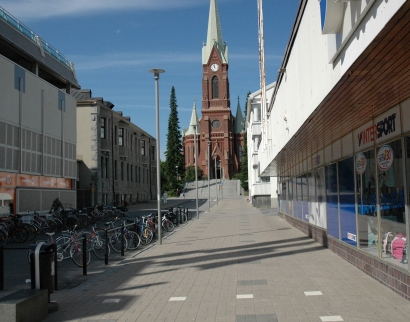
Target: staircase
column 226, row 189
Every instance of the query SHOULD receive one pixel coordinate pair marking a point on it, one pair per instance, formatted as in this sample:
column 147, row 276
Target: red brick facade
column 216, row 125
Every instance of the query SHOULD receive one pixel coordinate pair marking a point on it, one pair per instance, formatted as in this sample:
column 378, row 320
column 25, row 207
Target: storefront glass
column 299, row 196
column 290, row 197
column 332, row 201
column 304, row 184
column 347, row 201
column 365, row 165
column 312, row 202
column 391, row 200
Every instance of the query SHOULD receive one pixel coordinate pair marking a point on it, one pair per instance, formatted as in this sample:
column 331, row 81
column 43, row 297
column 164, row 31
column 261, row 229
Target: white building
column 262, row 190
column 337, row 129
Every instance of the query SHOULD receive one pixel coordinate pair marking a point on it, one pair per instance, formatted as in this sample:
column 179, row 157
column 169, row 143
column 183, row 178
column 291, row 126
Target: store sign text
column 378, row 130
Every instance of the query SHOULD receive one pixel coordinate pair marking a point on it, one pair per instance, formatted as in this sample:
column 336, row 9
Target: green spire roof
column 214, row 36
column 239, row 120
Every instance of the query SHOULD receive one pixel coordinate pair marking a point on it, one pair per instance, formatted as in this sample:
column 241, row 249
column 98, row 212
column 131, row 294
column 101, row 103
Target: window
column 121, row 137
column 131, row 174
column 128, row 172
column 215, row 88
column 142, row 147
column 240, row 154
column 152, row 152
column 115, row 135
column 103, row 127
column 122, row 171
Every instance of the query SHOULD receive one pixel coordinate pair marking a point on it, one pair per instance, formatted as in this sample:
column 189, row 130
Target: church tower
column 216, row 132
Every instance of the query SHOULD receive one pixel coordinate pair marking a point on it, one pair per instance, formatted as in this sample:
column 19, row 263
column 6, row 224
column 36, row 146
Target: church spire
column 239, row 120
column 194, row 121
column 214, row 36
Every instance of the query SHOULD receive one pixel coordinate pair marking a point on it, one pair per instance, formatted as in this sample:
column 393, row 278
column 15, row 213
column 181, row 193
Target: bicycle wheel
column 76, row 252
column 133, row 240
column 71, row 222
column 184, row 217
column 146, row 236
column 3, row 237
column 18, row 234
column 98, row 247
column 63, row 248
column 32, row 231
column 168, row 225
column 115, row 242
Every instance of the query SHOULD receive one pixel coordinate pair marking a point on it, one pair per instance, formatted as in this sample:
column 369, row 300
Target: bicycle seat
column 49, row 234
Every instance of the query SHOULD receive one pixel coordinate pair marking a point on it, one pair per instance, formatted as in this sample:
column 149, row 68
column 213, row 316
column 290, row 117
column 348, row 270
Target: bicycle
column 115, row 238
column 98, row 242
column 61, row 243
column 16, row 232
column 145, row 232
column 167, row 224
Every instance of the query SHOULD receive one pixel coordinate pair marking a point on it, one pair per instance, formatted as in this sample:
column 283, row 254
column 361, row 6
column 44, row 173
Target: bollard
column 1, row 268
column 122, row 239
column 84, row 255
column 106, row 246
column 54, row 247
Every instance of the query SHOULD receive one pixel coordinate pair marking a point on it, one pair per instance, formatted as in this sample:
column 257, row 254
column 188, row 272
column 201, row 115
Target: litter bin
column 43, row 273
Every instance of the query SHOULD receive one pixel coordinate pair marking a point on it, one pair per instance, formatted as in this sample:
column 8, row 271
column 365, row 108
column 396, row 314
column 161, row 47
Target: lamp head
column 156, row 72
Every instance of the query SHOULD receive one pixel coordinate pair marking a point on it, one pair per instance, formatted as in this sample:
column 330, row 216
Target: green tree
column 173, row 154
column 190, row 173
column 244, row 165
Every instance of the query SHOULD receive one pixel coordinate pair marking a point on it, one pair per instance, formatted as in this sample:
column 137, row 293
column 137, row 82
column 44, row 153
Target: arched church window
column 215, row 87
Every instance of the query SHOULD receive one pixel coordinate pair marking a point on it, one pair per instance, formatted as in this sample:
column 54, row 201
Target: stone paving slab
column 219, row 273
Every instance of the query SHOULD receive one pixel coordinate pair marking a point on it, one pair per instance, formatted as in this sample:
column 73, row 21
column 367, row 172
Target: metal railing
column 29, row 34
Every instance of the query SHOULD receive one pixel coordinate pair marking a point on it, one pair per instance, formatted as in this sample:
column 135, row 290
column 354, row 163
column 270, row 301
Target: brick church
column 219, row 135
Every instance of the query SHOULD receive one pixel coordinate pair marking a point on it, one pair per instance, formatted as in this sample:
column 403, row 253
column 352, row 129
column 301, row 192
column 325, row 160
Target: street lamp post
column 156, row 72
column 209, row 174
column 196, row 172
column 216, row 180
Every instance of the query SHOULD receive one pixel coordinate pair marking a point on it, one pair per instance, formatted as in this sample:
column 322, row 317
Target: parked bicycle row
column 116, row 235
column 21, row 228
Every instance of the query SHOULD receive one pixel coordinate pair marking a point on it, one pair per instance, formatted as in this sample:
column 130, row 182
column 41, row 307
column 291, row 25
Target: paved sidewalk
column 235, row 263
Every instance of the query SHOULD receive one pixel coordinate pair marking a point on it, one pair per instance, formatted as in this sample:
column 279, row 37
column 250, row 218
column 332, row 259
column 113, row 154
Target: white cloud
column 129, row 59
column 40, row 9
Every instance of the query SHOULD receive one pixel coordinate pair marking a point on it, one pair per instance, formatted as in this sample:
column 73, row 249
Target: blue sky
column 113, row 44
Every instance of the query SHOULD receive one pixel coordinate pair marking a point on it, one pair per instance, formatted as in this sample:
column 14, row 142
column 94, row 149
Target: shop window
column 317, row 206
column 290, row 197
column 390, row 171
column 347, row 201
column 365, row 166
column 305, row 196
column 332, row 201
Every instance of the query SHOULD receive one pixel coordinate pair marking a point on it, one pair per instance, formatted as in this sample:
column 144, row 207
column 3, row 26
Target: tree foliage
column 190, row 173
column 174, row 166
